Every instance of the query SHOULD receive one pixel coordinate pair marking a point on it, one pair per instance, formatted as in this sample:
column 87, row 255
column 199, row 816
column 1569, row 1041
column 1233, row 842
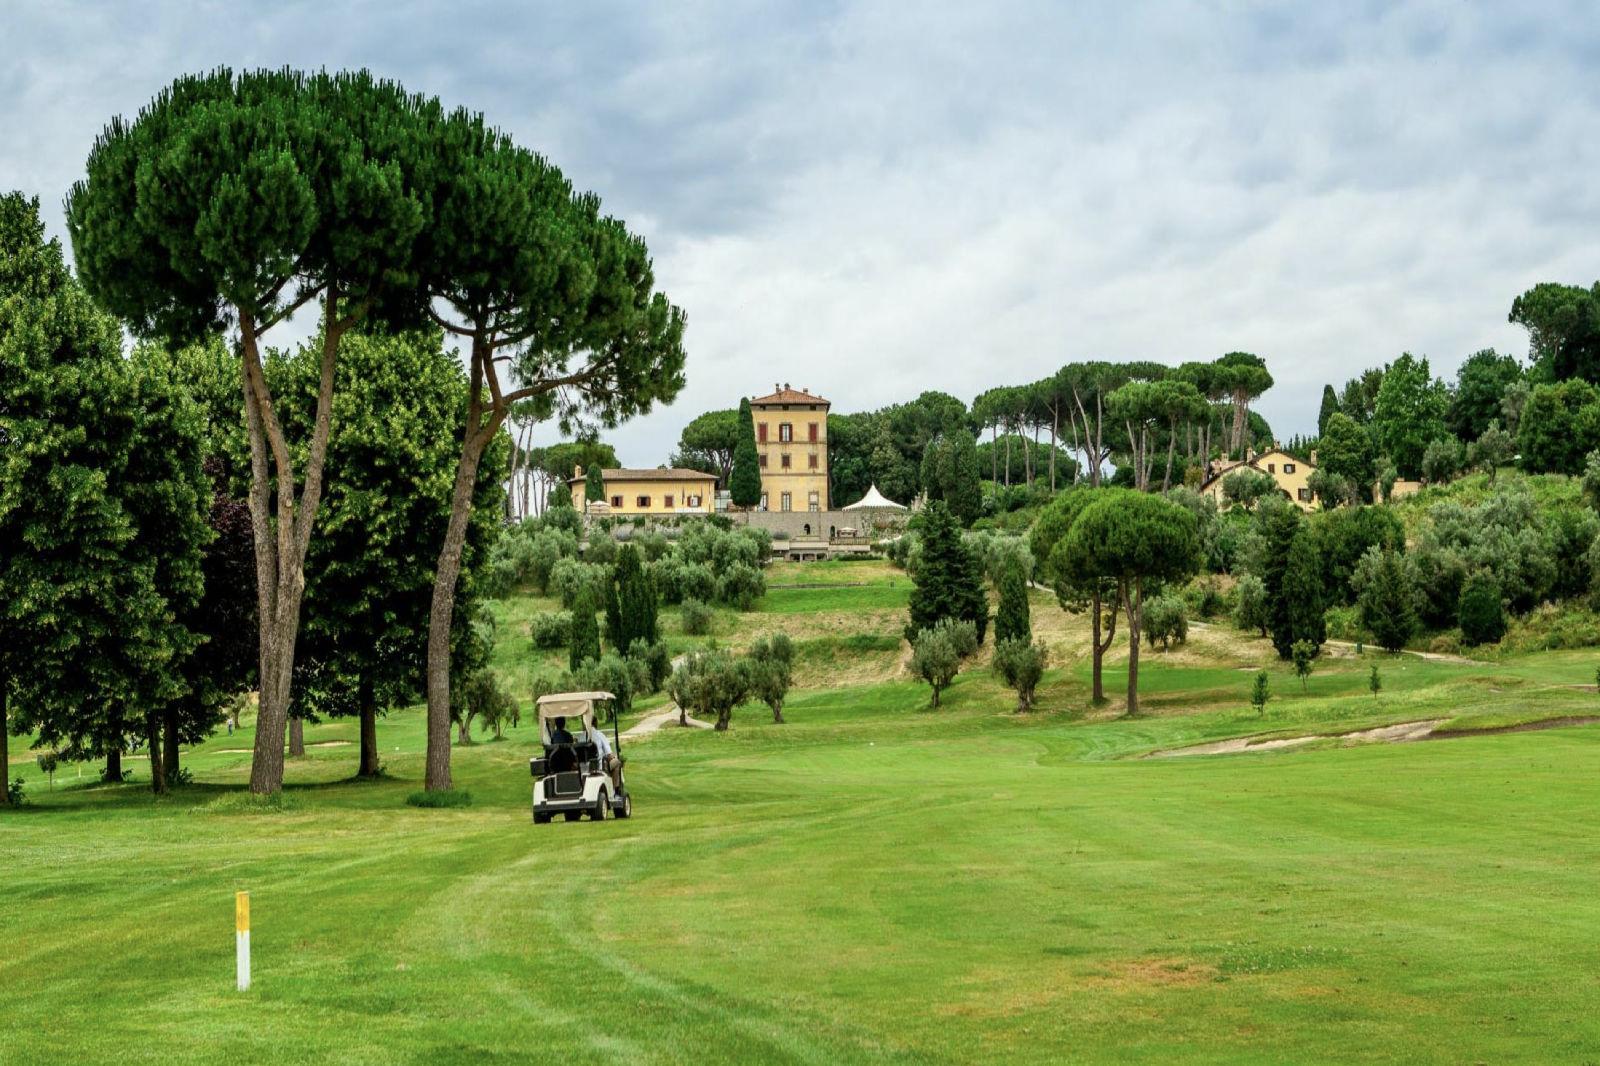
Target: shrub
column 16, row 792
column 772, row 672
column 1260, row 692
column 570, row 576
column 740, row 586
column 1020, row 665
column 551, row 629
column 1303, row 652
column 1251, row 612
column 1166, row 618
column 657, row 661
column 602, row 548
column 697, row 617
column 616, row 675
column 1204, row 598
column 697, row 582
column 450, row 797
column 1386, row 597
column 1480, row 614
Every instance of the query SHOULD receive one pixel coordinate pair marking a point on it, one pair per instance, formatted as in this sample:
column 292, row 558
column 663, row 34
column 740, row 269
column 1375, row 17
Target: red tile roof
column 663, row 474
column 787, row 395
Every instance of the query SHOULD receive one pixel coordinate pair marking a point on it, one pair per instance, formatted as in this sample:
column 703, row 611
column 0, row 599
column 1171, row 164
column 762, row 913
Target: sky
column 874, row 199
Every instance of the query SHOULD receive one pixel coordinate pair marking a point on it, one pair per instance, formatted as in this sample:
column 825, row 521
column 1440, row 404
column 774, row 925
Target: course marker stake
column 241, row 925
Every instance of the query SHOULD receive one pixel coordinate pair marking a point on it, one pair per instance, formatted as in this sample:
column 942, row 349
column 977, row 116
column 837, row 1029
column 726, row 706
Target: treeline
column 1400, row 421
column 1156, row 426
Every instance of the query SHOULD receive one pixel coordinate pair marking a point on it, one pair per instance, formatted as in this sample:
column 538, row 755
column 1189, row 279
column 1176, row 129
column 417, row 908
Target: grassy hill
column 872, row 882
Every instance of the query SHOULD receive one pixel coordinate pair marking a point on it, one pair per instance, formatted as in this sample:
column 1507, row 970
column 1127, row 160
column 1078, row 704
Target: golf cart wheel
column 541, row 817
column 625, row 810
column 572, row 816
column 602, row 808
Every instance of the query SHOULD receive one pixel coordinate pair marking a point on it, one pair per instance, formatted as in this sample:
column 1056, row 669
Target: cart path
column 666, row 717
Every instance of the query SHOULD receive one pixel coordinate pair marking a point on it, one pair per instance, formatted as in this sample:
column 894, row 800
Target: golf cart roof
column 570, row 704
column 573, row 697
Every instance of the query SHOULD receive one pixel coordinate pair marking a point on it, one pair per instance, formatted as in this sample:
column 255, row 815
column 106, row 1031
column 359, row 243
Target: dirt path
column 667, row 717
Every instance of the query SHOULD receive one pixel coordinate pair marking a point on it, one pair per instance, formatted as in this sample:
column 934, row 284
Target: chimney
column 577, row 471
column 1313, row 459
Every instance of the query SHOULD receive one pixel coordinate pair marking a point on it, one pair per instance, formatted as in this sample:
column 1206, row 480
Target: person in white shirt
column 608, row 762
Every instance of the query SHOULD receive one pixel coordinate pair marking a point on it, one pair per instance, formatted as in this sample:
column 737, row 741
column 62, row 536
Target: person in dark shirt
column 558, row 732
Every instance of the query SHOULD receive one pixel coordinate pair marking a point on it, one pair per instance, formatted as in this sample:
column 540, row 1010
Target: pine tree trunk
column 152, row 740
column 114, row 763
column 297, row 737
column 281, row 551
column 370, row 766
column 169, row 751
column 1172, row 444
column 1133, row 605
column 1055, row 429
column 1099, row 652
column 440, row 614
column 5, row 743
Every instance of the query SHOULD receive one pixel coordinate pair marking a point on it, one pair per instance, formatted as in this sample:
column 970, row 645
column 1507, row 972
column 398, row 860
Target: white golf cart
column 571, row 778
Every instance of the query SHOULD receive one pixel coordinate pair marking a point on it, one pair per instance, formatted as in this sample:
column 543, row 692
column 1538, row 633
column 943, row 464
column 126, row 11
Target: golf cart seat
column 562, row 759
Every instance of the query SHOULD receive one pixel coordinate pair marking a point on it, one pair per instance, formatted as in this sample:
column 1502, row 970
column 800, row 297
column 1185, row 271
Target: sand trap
column 1387, row 734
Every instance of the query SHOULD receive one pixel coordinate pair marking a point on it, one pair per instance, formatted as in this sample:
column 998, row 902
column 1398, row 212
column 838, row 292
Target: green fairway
column 872, row 882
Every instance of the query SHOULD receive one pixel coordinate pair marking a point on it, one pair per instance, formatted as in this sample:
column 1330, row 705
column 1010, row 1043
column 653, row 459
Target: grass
column 872, row 882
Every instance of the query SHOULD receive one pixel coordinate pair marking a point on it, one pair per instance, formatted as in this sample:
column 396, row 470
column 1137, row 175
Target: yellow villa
column 663, row 491
column 792, row 448
column 1291, row 474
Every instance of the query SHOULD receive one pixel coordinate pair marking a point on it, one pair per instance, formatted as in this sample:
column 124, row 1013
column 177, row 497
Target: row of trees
column 234, row 200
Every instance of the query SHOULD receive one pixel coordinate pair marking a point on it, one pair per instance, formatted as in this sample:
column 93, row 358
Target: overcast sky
column 872, row 199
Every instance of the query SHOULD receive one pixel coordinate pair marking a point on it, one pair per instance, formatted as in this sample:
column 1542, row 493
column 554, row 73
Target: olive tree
column 1139, row 542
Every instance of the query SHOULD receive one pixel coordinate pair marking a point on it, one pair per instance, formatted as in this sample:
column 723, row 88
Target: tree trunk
column 994, row 450
column 169, row 751
column 777, row 712
column 281, row 551
column 1008, row 454
column 5, row 744
column 1239, row 402
column 935, row 704
column 297, row 737
column 1133, row 604
column 722, row 720
column 152, row 740
column 370, row 766
column 114, row 763
column 1172, row 444
column 475, row 438
column 1099, row 654
column 1055, row 430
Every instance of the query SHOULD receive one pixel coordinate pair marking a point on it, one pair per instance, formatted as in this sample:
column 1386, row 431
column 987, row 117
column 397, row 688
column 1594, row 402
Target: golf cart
column 570, row 779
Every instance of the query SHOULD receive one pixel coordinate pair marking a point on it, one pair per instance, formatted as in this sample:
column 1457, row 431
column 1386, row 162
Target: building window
column 763, row 501
column 691, row 501
column 1305, row 495
column 641, row 501
column 666, row 501
column 813, row 432
column 616, row 501
column 815, row 501
column 1288, row 468
column 761, row 460
column 785, row 460
column 806, row 529
column 812, row 460
column 761, row 432
column 784, row 502
column 1272, row 468
column 785, row 432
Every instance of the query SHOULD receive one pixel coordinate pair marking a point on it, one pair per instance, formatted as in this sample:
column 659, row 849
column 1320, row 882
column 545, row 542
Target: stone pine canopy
column 874, row 501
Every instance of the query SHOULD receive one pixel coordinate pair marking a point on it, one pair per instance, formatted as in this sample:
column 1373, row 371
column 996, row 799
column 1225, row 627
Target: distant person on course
column 608, row 762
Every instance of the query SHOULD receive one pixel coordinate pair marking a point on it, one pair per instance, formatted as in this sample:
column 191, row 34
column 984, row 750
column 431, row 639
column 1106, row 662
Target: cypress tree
column 744, row 484
column 1280, row 523
column 1012, row 621
column 559, row 496
column 585, row 631
column 1302, row 605
column 1387, row 610
column 1480, row 612
column 630, row 603
column 594, row 485
column 960, row 476
column 1330, row 407
column 949, row 578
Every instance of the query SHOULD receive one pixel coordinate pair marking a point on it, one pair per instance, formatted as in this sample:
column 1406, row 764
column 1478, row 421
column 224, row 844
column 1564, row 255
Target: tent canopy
column 874, row 501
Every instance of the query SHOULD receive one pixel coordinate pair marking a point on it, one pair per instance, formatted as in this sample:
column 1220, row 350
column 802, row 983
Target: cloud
column 874, row 199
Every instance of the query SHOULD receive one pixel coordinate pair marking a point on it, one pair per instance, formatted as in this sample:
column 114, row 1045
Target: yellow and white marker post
column 241, row 925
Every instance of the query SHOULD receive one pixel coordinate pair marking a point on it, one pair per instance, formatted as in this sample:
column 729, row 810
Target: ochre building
column 664, row 491
column 1292, row 475
column 792, row 446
